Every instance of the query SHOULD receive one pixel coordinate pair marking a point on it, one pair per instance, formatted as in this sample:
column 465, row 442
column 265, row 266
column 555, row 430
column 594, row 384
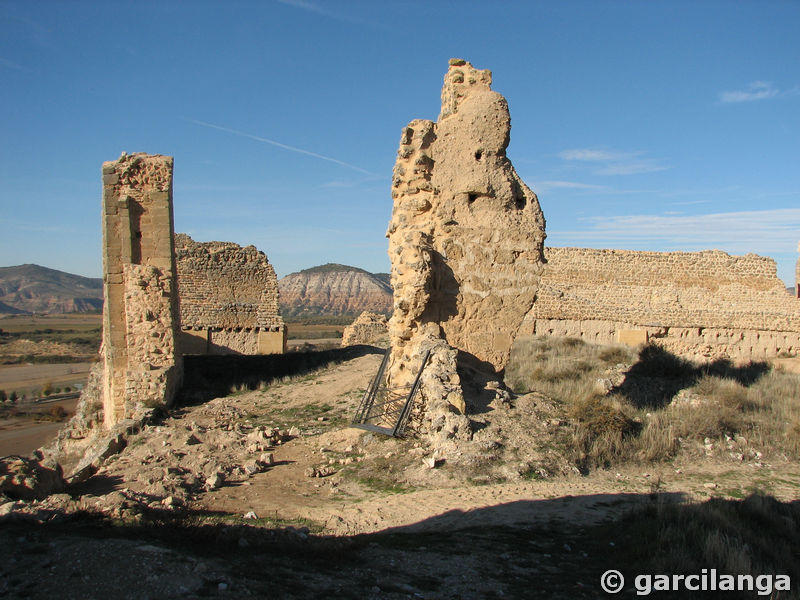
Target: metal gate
column 385, row 409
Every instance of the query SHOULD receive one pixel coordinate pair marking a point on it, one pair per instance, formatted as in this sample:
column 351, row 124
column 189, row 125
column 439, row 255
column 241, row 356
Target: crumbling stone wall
column 367, row 328
column 229, row 299
column 701, row 304
column 465, row 240
column 140, row 310
column 797, row 275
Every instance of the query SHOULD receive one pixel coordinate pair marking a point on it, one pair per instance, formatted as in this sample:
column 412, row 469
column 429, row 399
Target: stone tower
column 140, row 312
column 466, row 235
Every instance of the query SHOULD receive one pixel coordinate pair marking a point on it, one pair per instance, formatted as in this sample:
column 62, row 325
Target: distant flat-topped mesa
column 466, row 233
column 228, row 299
column 704, row 305
column 334, row 289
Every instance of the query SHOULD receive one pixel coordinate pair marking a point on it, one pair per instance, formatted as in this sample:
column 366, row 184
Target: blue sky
column 641, row 125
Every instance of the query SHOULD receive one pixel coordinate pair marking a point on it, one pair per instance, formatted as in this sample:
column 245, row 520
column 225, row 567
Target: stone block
column 272, row 342
column 632, row 337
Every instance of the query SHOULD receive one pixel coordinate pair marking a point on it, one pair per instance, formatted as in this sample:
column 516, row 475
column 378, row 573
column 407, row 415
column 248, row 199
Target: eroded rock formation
column 465, row 238
column 334, row 289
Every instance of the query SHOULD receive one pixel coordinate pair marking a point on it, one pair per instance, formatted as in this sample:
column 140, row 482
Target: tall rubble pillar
column 140, row 312
column 465, row 241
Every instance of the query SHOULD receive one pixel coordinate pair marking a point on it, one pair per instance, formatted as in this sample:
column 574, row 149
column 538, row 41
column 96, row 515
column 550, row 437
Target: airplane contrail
column 279, row 145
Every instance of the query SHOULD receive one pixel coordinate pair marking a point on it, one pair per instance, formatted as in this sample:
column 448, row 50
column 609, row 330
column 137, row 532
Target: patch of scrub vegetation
column 757, row 535
column 311, row 418
column 261, row 521
column 650, row 407
column 381, row 474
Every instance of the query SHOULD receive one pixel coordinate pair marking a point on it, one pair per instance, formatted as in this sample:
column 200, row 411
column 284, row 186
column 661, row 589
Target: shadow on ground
column 552, row 548
column 208, row 376
column 658, row 375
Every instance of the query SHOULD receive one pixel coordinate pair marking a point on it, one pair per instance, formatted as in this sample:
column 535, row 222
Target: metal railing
column 385, row 409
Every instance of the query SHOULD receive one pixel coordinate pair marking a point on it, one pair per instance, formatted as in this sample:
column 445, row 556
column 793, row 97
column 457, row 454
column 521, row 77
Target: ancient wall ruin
column 140, row 310
column 465, row 239
column 229, row 299
column 700, row 304
column 367, row 328
column 797, row 275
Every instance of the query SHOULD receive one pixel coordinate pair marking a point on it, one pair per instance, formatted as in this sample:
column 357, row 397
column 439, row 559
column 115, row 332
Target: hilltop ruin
column 167, row 295
column 141, row 363
column 703, row 305
column 228, row 299
column 465, row 239
column 470, row 273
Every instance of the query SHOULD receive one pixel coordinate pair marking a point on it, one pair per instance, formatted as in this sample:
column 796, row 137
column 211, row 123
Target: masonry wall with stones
column 229, row 299
column 465, row 244
column 705, row 305
column 797, row 275
column 367, row 328
column 140, row 312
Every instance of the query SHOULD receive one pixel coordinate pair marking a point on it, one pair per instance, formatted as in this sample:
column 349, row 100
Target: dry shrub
column 727, row 393
column 756, row 535
column 58, row 413
column 613, row 355
column 657, row 441
column 637, row 420
column 600, row 432
column 563, row 368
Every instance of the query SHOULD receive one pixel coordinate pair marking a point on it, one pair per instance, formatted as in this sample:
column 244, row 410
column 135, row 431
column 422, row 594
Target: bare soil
column 34, row 376
column 341, row 512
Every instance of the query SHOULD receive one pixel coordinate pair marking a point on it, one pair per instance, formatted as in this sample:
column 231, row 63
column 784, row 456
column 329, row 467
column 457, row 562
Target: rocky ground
column 267, row 493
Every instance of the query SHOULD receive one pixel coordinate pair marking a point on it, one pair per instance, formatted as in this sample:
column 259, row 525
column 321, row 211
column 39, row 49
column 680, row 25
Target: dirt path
column 347, row 502
column 416, row 532
column 21, row 436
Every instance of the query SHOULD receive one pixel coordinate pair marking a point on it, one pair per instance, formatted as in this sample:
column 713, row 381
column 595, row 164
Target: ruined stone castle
column 470, row 273
column 228, row 299
column 704, row 305
column 214, row 298
column 141, row 361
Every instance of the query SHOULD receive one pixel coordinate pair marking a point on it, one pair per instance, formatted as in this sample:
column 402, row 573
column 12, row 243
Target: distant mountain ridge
column 325, row 290
column 35, row 289
column 333, row 289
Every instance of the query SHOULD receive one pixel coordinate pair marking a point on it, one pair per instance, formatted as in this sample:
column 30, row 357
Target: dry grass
column 758, row 535
column 565, row 369
column 663, row 404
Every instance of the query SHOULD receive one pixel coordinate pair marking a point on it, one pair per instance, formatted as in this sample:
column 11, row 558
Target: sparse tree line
column 47, row 390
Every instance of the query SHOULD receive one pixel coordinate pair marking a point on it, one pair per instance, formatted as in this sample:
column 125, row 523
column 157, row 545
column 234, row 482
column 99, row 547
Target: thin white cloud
column 757, row 90
column 760, row 231
column 614, row 163
column 10, row 64
column 573, row 185
column 595, row 154
column 305, row 5
column 633, row 167
column 313, row 7
column 280, row 145
column 339, row 183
